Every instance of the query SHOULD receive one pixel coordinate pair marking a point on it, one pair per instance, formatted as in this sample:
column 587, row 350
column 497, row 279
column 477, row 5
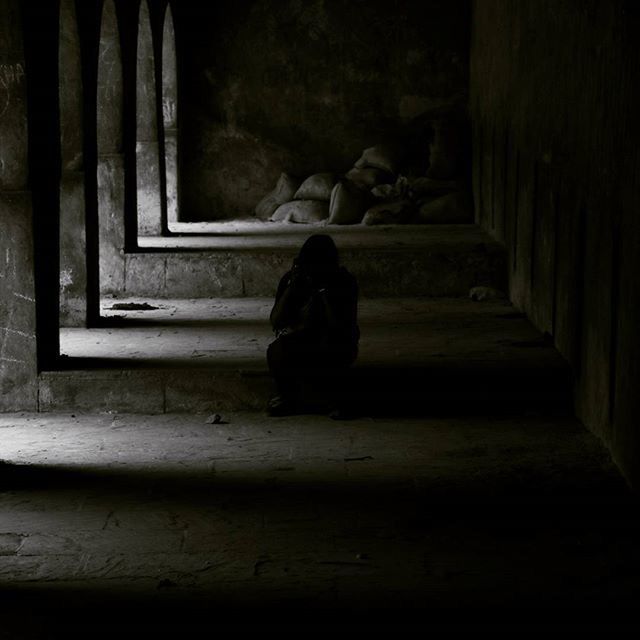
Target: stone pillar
column 147, row 151
column 110, row 157
column 18, row 355
column 170, row 114
column 73, row 263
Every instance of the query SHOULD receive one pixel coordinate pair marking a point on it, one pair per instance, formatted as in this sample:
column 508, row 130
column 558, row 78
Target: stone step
column 418, row 356
column 425, row 260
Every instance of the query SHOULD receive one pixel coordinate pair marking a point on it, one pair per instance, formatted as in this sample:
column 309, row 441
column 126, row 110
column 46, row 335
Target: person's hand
column 299, row 278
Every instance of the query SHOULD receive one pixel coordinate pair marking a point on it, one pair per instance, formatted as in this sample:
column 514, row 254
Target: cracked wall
column 554, row 102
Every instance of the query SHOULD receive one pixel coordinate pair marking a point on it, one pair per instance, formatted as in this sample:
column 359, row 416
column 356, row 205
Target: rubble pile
column 380, row 189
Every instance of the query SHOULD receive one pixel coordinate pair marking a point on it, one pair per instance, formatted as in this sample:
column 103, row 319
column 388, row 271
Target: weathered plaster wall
column 273, row 85
column 18, row 363
column 73, row 266
column 555, row 99
column 147, row 151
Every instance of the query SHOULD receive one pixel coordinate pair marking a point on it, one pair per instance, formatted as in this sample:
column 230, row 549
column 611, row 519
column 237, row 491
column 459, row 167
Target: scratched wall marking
column 10, row 75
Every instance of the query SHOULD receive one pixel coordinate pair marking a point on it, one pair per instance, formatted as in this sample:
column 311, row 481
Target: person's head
column 318, row 254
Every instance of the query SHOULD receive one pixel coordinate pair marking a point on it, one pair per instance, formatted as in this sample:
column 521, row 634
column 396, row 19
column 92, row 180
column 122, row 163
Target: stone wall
column 111, row 159
column 73, row 262
column 554, row 102
column 283, row 85
column 18, row 369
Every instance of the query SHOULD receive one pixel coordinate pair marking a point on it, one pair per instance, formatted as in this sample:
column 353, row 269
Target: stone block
column 171, row 167
column 110, row 89
column 261, row 272
column 216, row 391
column 145, row 275
column 203, row 275
column 106, row 391
column 70, row 89
column 13, row 100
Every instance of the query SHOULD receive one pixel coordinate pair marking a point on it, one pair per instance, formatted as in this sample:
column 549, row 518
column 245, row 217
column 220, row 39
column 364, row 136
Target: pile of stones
column 378, row 190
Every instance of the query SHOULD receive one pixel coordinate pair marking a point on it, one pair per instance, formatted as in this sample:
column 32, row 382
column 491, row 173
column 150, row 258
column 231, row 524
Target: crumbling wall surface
column 303, row 87
column 554, row 101
column 18, row 369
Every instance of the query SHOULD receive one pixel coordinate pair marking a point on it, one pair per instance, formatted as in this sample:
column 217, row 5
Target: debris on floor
column 132, row 306
column 480, row 294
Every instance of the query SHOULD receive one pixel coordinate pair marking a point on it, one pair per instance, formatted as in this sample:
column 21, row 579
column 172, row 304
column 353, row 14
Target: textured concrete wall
column 273, row 85
column 73, row 264
column 111, row 177
column 555, row 100
column 147, row 152
column 170, row 114
column 445, row 267
column 18, row 359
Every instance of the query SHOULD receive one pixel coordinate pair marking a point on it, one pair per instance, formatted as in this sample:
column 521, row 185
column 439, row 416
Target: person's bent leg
column 286, row 357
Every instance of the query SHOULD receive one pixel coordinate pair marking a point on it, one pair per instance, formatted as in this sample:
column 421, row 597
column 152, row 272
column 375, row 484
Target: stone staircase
column 426, row 348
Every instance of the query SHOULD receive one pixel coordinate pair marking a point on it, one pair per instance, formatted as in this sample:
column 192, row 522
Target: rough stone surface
column 70, row 92
column 73, row 265
column 73, row 268
column 148, row 192
column 111, row 221
column 169, row 73
column 18, row 365
column 171, row 164
column 559, row 186
column 199, row 275
column 140, row 273
column 172, row 522
column 103, row 390
column 170, row 113
column 249, row 259
column 18, row 368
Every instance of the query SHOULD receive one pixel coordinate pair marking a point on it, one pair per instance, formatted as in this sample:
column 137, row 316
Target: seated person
column 315, row 321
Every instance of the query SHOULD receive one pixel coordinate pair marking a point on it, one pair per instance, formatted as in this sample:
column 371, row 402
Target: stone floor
column 235, row 332
column 252, row 233
column 415, row 353
column 167, row 526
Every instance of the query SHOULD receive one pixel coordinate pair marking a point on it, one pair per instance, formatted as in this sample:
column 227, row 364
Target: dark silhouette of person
column 315, row 319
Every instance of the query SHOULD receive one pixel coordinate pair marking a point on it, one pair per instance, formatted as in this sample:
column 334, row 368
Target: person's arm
column 340, row 306
column 288, row 298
